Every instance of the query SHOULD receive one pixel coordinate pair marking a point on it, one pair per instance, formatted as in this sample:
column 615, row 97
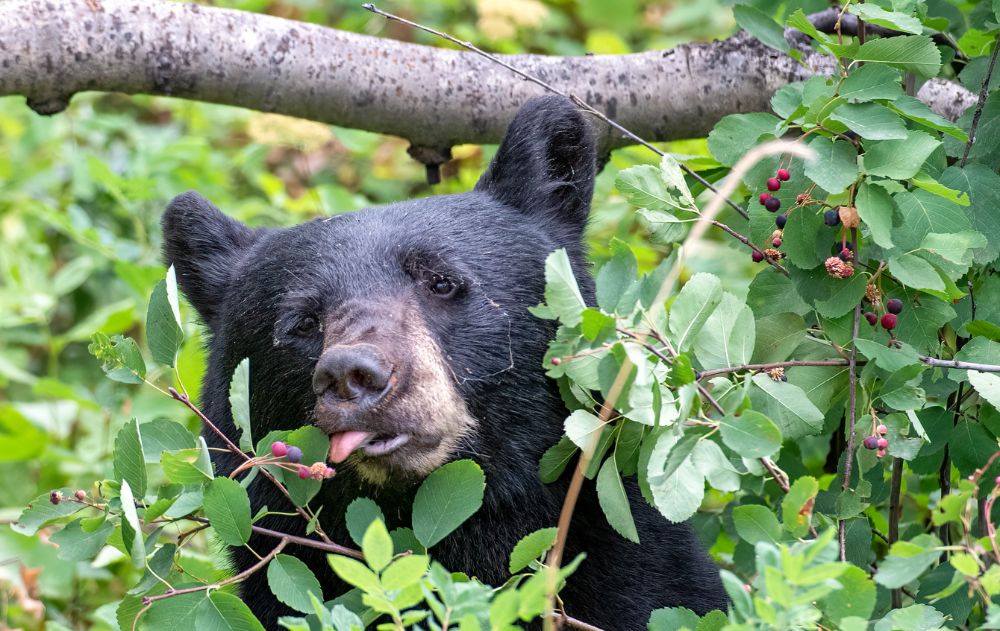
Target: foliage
column 748, row 397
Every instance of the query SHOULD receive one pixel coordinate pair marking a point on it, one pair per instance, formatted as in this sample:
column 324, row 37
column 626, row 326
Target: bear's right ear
column 546, row 163
column 204, row 246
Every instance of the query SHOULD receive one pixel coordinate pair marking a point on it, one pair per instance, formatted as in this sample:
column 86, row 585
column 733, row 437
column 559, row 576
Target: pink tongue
column 343, row 443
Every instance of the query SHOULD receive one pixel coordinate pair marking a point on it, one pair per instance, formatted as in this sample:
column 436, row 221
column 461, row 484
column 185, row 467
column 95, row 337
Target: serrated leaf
column 76, row 544
column 728, row 336
column 695, row 302
column 129, row 462
column 875, row 207
column 446, row 499
column 916, row 110
column 751, row 434
column 161, row 435
column 354, row 573
column 562, row 295
column 870, row 121
column 678, row 494
column 531, row 547
column 41, row 511
column 239, row 401
column 361, row 512
column 895, row 20
column 227, row 507
column 907, row 560
column 131, row 527
column 899, row 159
column 871, row 82
column 787, row 405
column 223, row 611
column 761, row 26
column 376, row 545
column 120, row 358
column 915, row 272
column 756, row 523
column 184, row 466
column 956, row 247
column 797, row 505
column 735, row 134
column 913, row 53
column 163, row 331
column 987, row 385
column 581, row 427
column 614, row 501
column 404, row 572
column 835, row 165
column 291, row 581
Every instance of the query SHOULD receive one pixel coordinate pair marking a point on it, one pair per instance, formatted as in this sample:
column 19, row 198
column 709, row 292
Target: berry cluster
column 768, row 201
column 893, row 307
column 291, row 453
column 877, row 439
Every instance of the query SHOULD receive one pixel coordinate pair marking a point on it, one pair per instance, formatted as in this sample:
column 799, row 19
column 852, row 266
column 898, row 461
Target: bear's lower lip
column 385, row 444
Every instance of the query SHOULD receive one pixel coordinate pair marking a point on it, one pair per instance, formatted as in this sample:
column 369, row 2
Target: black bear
column 403, row 332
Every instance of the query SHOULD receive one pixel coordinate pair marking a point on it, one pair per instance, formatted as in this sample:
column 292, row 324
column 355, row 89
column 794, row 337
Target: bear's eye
column 440, row 286
column 307, row 325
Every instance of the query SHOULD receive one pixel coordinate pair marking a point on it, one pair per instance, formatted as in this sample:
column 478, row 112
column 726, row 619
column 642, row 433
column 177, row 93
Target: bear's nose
column 356, row 374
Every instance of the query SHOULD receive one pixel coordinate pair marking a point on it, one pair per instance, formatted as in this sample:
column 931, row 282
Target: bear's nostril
column 357, row 374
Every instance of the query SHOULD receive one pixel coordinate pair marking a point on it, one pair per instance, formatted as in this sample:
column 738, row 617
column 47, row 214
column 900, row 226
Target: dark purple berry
column 870, row 442
column 845, row 255
column 894, row 305
column 757, row 256
column 294, row 454
column 784, row 175
column 872, row 318
column 773, row 184
column 889, row 321
column 772, row 204
column 831, row 218
column 781, row 220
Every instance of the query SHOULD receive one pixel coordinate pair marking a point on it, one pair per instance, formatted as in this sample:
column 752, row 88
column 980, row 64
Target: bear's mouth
column 343, row 444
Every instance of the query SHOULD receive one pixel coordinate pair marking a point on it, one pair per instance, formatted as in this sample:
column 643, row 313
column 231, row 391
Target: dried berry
column 872, row 294
column 893, row 305
column 777, row 374
column 774, row 254
column 801, row 198
column 839, row 269
column 849, row 216
column 871, row 317
column 55, row 497
column 889, row 321
column 845, row 255
column 784, row 175
column 781, row 220
column 773, row 184
column 870, row 442
column 772, row 204
column 294, row 454
column 831, row 218
column 279, row 449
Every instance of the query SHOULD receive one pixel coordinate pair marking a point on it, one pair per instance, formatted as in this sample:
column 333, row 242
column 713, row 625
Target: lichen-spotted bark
column 50, row 50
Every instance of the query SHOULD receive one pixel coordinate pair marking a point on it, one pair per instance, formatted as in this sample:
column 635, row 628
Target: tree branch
column 433, row 97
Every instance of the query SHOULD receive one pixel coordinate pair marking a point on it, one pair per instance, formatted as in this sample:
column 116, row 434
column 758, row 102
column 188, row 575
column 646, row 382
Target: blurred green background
column 80, row 199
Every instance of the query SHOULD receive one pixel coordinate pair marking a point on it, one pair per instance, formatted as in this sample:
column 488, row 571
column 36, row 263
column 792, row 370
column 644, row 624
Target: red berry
column 556, row 361
column 304, row 473
column 997, row 481
column 279, row 448
column 773, row 184
column 889, row 321
column 882, row 443
column 872, row 318
column 784, row 175
column 776, row 242
column 294, row 454
column 757, row 256
column 870, row 442
column 882, row 429
column 894, row 305
column 80, row 495
column 763, row 198
column 772, row 204
column 880, row 453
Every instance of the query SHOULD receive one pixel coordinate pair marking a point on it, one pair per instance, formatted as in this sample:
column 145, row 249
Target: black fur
column 533, row 199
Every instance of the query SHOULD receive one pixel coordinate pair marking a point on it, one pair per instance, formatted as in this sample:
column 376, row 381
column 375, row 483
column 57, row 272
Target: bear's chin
column 412, row 461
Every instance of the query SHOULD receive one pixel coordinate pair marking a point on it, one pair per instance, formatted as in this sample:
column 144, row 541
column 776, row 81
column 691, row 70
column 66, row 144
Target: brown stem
column 981, row 103
column 944, row 474
column 706, row 374
column 852, row 413
column 537, row 81
column 895, row 511
column 745, row 241
column 325, row 546
column 574, row 623
column 186, row 400
column 236, row 578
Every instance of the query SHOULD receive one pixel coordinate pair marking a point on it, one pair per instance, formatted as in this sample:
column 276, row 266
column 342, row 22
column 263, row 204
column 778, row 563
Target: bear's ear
column 204, row 246
column 546, row 162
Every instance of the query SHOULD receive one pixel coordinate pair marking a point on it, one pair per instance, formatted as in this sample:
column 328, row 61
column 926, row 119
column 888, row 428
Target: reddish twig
column 980, row 104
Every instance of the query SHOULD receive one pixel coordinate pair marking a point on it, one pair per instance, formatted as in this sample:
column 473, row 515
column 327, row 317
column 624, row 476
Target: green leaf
column 695, row 302
column 983, row 187
column 875, row 209
column 887, row 358
column 76, row 544
column 913, row 271
column 377, row 546
column 870, row 82
column 663, row 227
column 926, row 213
column 987, row 385
column 354, row 573
column 761, row 26
column 673, row 618
column 956, row 247
column 228, row 510
column 916, row 110
column 405, row 571
column 895, row 20
column 756, row 523
column 239, row 401
column 931, row 185
column 735, row 134
column 582, row 426
column 913, row 53
column 163, row 330
column 41, row 511
column 677, row 494
column 314, row 444
column 131, row 527
column 898, row 159
column 835, row 166
column 184, row 466
column 907, row 560
column 787, row 405
column 728, row 336
column 796, row 507
column 291, row 581
column 643, row 187
column 223, row 611
column 562, row 295
column 616, row 281
column 446, row 499
column 555, row 459
column 530, row 548
column 20, row 440
column 129, row 462
column 119, row 356
column 614, row 502
column 160, row 435
column 777, row 337
column 360, row 514
column 870, row 121
column 845, row 295
column 751, row 434
column 856, row 598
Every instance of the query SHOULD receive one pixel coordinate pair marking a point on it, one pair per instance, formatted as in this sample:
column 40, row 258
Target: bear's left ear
column 546, row 163
column 205, row 247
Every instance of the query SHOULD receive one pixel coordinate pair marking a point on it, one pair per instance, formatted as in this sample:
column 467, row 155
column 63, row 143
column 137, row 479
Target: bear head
column 401, row 331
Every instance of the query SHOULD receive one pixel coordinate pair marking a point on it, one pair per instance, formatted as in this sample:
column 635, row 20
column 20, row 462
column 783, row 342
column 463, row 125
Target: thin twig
column 333, row 548
column 852, row 413
column 574, row 623
column 236, row 578
column 539, row 82
column 186, row 400
column 983, row 91
column 745, row 241
column 707, row 374
column 895, row 511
